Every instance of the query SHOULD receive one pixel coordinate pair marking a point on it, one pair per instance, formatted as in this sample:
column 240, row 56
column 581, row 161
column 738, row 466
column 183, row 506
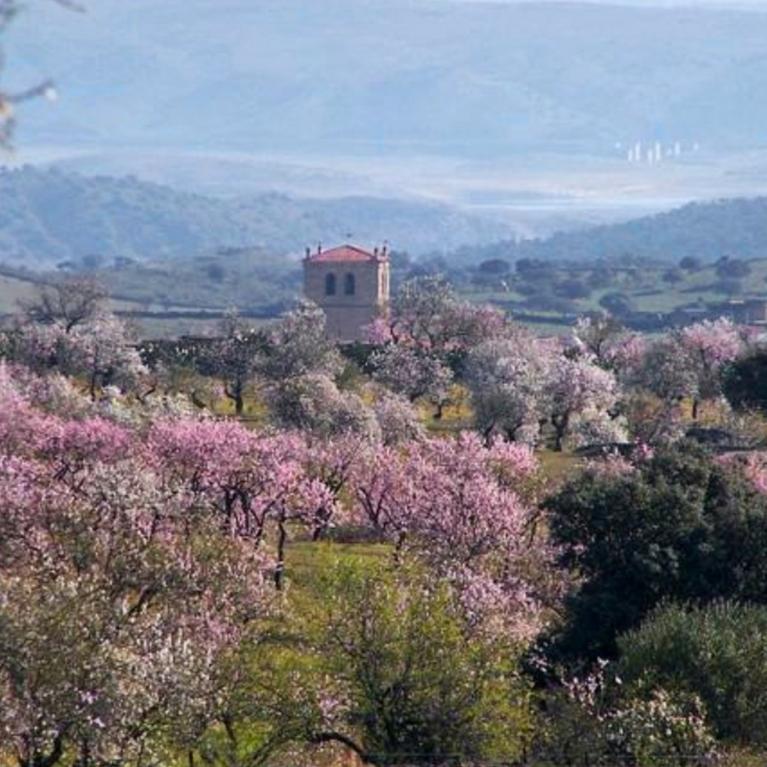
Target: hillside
column 49, row 217
column 462, row 78
column 706, row 231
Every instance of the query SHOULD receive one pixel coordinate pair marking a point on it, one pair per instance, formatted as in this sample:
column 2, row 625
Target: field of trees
column 457, row 544
column 644, row 294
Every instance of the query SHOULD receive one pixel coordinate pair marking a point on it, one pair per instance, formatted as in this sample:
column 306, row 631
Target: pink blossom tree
column 247, row 480
column 689, row 362
column 427, row 313
column 506, row 378
column 424, row 337
column 576, row 387
column 709, row 346
column 143, row 601
column 610, row 346
column 462, row 508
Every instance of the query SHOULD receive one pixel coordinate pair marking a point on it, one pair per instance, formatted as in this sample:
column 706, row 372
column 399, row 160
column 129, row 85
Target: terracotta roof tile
column 344, row 253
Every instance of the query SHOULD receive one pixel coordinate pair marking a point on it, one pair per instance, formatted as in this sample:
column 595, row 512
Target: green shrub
column 412, row 681
column 679, row 527
column 718, row 653
column 595, row 720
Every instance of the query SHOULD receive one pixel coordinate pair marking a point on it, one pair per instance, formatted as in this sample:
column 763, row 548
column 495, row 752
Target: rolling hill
column 48, row 217
column 393, row 76
column 708, row 231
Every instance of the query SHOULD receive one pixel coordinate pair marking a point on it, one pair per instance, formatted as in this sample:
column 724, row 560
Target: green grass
column 305, row 561
column 557, row 467
column 695, row 286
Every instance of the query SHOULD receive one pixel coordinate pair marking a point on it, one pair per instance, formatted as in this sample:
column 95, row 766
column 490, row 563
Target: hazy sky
column 751, row 4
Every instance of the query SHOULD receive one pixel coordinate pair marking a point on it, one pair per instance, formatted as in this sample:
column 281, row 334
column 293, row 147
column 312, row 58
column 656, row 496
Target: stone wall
column 348, row 314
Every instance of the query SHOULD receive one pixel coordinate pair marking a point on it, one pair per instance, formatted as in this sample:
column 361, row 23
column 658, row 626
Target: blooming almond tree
column 690, row 362
column 397, row 419
column 427, row 313
column 710, row 345
column 462, row 508
column 425, row 337
column 313, row 403
column 506, row 378
column 412, row 373
column 98, row 350
column 298, row 345
column 116, row 609
column 577, row 387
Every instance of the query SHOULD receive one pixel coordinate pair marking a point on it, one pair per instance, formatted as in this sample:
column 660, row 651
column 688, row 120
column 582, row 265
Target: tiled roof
column 344, row 253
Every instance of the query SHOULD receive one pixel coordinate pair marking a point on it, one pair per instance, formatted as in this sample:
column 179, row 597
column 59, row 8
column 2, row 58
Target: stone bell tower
column 350, row 284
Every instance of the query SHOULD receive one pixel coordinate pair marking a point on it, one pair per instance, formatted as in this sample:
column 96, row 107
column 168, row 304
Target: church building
column 350, row 284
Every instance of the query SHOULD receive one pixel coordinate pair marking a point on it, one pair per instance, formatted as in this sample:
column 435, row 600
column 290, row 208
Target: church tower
column 350, row 284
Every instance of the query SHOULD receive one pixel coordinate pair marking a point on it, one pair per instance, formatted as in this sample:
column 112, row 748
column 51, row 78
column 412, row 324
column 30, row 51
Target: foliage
column 409, row 679
column 702, row 231
column 680, row 526
column 595, row 720
column 715, row 652
column 160, row 244
column 745, row 382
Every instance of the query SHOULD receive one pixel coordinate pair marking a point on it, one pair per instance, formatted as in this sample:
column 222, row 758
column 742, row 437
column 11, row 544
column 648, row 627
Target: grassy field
column 647, row 288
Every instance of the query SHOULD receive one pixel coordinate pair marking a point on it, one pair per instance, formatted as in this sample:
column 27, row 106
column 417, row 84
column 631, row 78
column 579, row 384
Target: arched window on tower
column 330, row 284
column 349, row 285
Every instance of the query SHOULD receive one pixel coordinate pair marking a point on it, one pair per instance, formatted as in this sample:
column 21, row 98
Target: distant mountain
column 48, row 217
column 706, row 231
column 392, row 76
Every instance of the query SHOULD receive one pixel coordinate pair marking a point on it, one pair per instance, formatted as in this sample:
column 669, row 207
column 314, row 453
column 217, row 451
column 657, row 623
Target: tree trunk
column 39, row 760
column 197, row 402
column 695, row 408
column 235, row 395
column 279, row 571
column 560, row 429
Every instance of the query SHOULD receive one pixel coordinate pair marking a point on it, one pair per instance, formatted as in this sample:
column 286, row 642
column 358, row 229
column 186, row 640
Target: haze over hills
column 472, row 79
column 48, row 217
column 707, row 231
column 395, row 97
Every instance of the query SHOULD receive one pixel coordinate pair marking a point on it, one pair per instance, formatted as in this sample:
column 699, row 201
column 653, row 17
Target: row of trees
column 601, row 385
